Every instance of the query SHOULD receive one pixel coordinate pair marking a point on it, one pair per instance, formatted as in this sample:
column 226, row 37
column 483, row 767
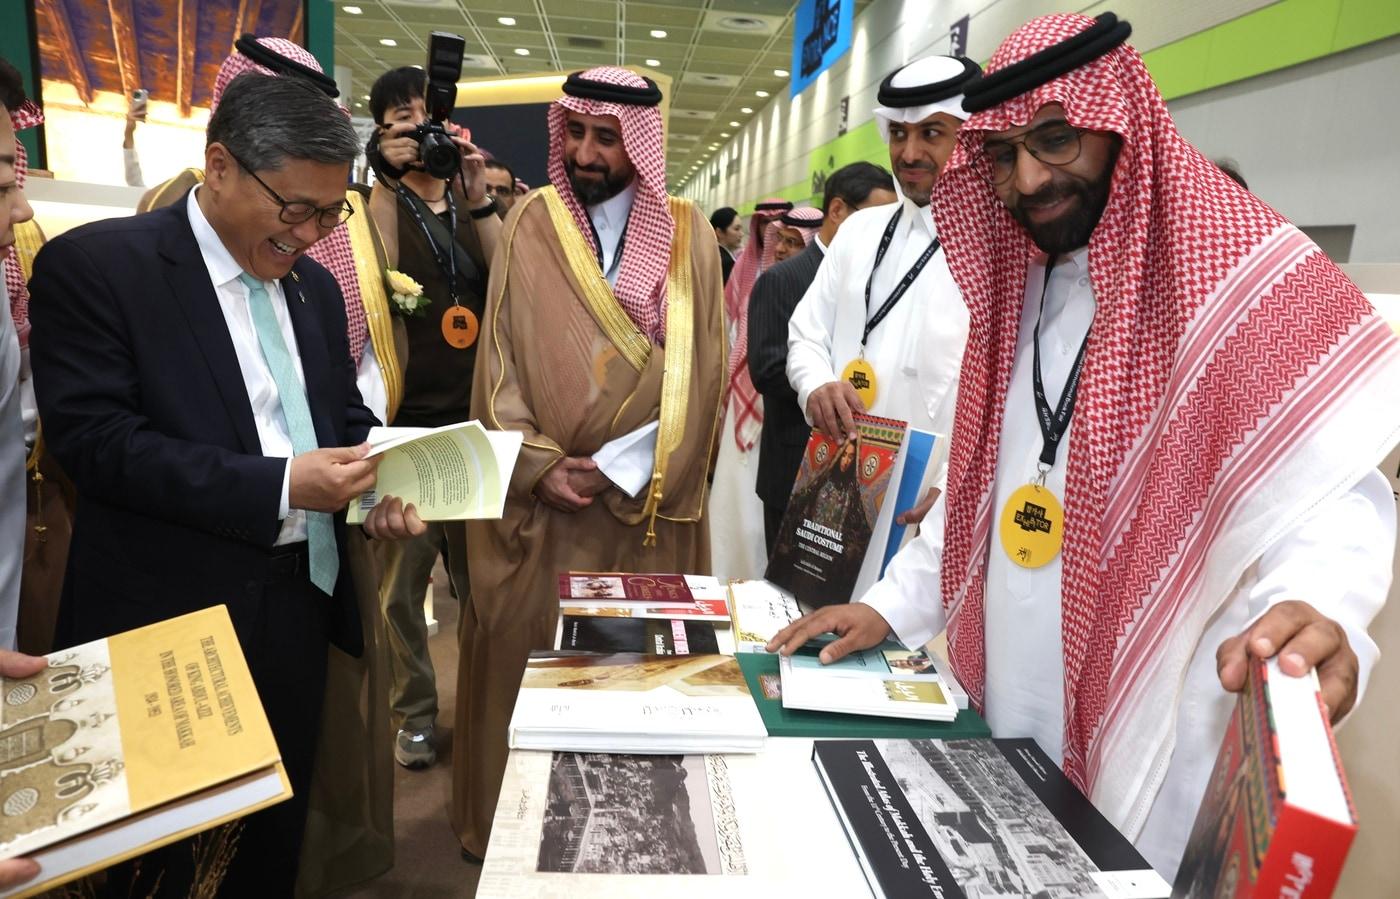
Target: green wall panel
column 320, row 34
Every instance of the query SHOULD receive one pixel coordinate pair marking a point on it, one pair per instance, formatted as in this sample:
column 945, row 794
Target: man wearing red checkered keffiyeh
column 736, row 512
column 603, row 343
column 1235, row 394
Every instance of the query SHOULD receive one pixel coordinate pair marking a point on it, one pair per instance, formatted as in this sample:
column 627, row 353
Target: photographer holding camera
column 439, row 228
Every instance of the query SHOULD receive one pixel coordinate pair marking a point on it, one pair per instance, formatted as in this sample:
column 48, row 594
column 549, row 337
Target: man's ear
column 837, row 212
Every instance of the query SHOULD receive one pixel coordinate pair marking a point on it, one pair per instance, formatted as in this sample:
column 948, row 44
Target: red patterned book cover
column 1277, row 817
column 608, row 588
column 835, row 503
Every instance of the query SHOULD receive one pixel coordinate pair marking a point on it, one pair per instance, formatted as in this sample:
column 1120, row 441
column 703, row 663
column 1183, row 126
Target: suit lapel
column 311, row 347
column 194, row 296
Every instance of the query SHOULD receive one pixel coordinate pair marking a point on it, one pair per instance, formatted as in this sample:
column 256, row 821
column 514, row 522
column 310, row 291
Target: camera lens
column 439, row 155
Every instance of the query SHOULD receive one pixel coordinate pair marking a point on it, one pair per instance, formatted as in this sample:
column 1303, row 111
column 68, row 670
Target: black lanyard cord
column 1053, row 424
column 445, row 257
column 904, row 283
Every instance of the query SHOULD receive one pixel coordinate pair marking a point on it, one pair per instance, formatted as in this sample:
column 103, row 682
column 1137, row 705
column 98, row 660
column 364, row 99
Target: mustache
column 1047, row 196
column 597, row 167
column 915, row 167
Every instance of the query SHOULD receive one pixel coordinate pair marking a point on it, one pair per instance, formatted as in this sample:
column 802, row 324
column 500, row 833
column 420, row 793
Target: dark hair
column 853, row 184
column 723, row 217
column 11, row 86
column 494, row 163
column 395, row 88
column 1231, row 168
column 264, row 120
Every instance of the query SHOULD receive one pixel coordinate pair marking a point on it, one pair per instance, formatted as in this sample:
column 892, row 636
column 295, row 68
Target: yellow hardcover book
column 125, row 744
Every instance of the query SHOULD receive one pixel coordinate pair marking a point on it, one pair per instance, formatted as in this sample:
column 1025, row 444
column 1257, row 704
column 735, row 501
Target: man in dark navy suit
column 775, row 295
column 193, row 374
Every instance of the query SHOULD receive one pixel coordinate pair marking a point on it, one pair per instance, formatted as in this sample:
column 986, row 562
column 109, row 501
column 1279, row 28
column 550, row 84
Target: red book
column 618, row 588
column 1277, row 818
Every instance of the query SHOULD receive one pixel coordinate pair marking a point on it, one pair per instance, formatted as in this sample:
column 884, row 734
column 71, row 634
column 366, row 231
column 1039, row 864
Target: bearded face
column 594, row 157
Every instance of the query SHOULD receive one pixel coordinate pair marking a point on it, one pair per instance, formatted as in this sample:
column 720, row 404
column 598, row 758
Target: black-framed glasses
column 296, row 212
column 1053, row 143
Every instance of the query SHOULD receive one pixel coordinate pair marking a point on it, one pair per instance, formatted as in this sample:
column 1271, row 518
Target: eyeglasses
column 1053, row 143
column 294, row 213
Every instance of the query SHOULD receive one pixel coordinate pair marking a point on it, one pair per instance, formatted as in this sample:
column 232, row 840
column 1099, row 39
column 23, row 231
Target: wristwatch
column 489, row 209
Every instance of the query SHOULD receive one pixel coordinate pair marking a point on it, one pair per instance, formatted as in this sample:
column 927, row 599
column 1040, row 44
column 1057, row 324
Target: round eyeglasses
column 1053, row 143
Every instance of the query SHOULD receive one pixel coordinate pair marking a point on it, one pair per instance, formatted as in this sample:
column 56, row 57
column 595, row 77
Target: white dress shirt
column 12, row 475
column 276, row 440
column 369, row 378
column 1025, row 664
column 916, row 351
column 610, row 221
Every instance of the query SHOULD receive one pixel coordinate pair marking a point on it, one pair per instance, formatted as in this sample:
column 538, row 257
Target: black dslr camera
column 436, row 150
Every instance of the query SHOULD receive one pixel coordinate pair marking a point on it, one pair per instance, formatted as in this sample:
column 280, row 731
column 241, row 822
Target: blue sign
column 821, row 35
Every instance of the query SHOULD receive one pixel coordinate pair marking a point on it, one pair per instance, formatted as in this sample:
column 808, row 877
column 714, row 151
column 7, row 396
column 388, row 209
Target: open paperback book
column 627, row 702
column 126, row 744
column 451, row 473
column 966, row 818
column 889, row 681
column 680, row 826
column 1277, row 818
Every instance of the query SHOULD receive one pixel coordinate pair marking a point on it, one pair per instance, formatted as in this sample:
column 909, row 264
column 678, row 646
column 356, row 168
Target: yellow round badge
column 1032, row 526
column 860, row 374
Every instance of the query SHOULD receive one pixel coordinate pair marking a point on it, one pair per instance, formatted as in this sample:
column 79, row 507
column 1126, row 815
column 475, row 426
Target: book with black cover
column 962, row 818
column 657, row 636
column 835, row 506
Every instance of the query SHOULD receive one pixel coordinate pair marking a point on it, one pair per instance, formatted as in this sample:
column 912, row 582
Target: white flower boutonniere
column 407, row 293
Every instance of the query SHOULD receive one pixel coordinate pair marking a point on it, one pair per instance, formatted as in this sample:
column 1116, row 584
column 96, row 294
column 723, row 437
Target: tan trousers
column 407, row 566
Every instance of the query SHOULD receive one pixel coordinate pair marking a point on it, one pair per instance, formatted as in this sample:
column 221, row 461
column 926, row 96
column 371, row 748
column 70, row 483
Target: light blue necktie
column 320, row 532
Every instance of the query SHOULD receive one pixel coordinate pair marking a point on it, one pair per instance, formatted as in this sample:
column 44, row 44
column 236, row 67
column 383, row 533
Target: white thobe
column 1354, row 532
column 12, row 495
column 916, row 351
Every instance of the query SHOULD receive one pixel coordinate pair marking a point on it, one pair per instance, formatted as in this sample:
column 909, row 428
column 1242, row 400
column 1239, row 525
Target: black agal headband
column 1046, row 65
column 271, row 59
column 779, row 206
column 926, row 94
column 578, row 86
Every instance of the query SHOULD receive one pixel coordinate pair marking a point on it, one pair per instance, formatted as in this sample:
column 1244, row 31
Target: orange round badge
column 460, row 327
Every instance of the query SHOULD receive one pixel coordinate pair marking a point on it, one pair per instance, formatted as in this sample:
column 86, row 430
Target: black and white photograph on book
column 639, row 814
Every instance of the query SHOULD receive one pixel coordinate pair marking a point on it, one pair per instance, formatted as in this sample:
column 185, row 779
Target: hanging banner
column 821, row 35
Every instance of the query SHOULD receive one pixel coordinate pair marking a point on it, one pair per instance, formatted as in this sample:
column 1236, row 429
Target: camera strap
column 448, row 253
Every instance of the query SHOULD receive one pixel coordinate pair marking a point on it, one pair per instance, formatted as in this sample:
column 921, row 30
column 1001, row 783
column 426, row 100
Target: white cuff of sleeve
column 629, row 460
column 908, row 626
column 284, row 507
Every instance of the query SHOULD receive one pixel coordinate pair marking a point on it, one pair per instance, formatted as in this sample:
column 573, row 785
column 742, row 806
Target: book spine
column 1305, row 856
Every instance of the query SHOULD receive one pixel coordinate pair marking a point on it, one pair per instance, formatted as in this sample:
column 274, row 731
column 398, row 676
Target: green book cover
column 761, row 671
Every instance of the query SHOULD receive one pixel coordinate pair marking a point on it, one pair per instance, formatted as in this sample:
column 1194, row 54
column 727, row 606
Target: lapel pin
column 296, row 277
column 301, row 296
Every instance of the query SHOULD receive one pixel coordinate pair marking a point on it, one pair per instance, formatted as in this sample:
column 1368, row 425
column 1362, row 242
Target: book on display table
column 761, row 671
column 627, row 702
column 889, row 682
column 583, row 825
column 969, row 818
column 125, row 744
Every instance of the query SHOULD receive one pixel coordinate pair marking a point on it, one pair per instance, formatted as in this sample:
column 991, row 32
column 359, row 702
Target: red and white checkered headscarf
column 333, row 251
column 646, row 253
column 1234, row 379
column 746, row 405
column 750, row 265
column 27, row 116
